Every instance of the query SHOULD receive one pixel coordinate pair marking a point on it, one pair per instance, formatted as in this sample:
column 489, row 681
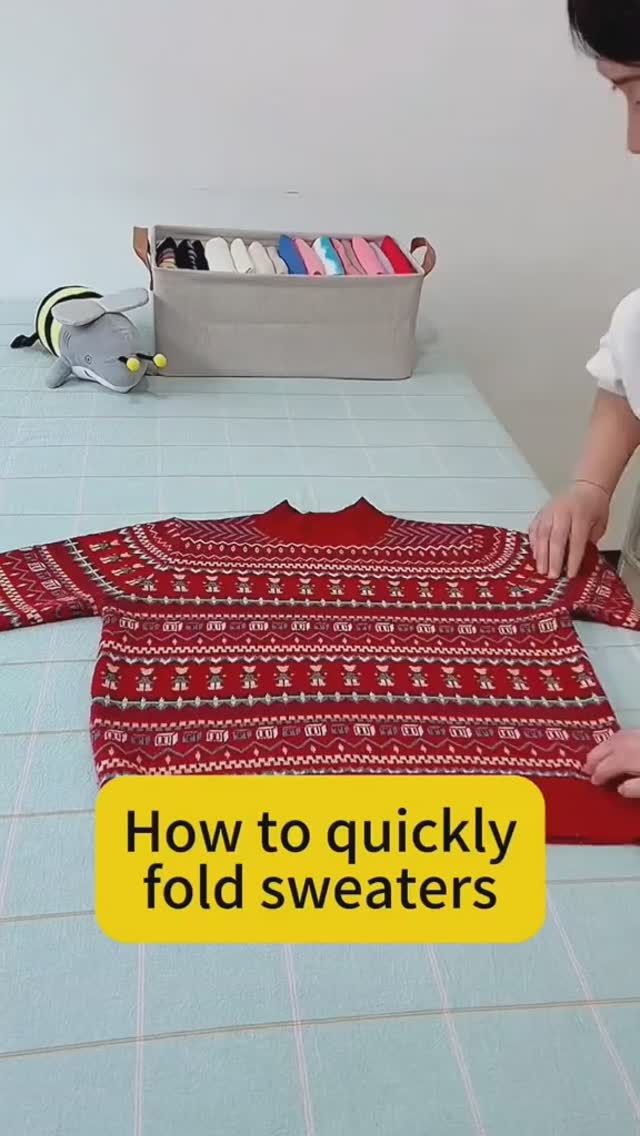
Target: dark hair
column 607, row 29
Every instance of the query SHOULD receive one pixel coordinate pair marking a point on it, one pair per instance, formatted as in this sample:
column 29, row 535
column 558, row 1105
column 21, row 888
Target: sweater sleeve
column 598, row 594
column 47, row 584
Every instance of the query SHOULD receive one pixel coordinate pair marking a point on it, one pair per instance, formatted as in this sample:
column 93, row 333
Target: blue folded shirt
column 291, row 257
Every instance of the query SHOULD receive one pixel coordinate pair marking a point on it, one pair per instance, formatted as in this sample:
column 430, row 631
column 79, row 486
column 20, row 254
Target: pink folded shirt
column 312, row 261
column 355, row 266
column 370, row 262
column 348, row 265
column 383, row 258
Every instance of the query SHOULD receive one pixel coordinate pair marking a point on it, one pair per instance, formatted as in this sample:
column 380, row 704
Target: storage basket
column 350, row 327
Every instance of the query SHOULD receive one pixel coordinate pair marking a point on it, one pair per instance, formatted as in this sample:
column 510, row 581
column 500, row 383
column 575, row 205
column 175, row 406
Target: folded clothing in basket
column 291, row 257
column 190, row 254
column 218, row 254
column 327, row 256
column 166, row 253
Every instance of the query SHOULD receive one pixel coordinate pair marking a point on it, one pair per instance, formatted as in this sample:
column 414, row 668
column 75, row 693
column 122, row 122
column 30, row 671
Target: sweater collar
column 358, row 524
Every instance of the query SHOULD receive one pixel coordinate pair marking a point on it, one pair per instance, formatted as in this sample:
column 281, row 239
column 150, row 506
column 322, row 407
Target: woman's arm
column 561, row 531
column 612, row 439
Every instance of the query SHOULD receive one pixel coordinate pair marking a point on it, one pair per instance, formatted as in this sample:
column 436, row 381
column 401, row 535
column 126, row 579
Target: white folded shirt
column 262, row 262
column 218, row 255
column 241, row 258
column 278, row 262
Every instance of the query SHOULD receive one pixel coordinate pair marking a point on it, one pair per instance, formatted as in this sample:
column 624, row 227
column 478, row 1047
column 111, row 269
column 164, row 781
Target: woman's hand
column 619, row 757
column 560, row 533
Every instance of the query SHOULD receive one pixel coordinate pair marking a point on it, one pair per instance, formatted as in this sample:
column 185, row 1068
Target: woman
column 610, row 31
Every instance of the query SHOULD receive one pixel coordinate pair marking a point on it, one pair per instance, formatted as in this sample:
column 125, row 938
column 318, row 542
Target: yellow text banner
column 320, row 859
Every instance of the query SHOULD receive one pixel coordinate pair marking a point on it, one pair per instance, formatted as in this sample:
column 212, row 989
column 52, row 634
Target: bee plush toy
column 91, row 338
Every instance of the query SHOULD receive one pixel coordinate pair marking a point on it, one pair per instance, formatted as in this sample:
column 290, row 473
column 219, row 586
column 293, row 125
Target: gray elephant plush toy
column 91, row 338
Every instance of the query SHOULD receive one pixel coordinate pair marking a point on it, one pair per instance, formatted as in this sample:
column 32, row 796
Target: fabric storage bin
column 211, row 323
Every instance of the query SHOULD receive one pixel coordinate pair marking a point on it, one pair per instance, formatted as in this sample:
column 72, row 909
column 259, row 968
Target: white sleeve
column 616, row 367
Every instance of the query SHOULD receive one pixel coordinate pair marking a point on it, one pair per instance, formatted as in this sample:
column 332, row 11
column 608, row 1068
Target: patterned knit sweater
column 351, row 642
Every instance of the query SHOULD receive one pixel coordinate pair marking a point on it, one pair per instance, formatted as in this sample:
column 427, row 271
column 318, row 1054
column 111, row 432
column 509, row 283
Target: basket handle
column 142, row 250
column 424, row 253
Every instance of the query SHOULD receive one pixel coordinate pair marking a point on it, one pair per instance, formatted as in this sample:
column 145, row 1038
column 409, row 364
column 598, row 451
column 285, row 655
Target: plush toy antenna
column 158, row 360
column 131, row 362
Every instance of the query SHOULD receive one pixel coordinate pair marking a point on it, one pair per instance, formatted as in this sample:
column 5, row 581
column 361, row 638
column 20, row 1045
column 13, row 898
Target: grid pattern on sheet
column 277, row 1042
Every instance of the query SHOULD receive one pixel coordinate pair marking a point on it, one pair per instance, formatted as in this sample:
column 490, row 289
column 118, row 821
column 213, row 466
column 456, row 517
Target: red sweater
column 336, row 643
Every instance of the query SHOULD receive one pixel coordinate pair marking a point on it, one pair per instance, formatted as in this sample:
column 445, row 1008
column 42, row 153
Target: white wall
column 470, row 120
